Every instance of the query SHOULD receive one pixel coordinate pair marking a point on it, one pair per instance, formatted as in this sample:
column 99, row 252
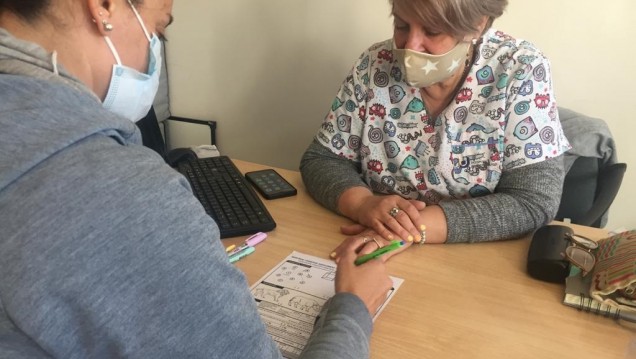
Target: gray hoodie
column 104, row 252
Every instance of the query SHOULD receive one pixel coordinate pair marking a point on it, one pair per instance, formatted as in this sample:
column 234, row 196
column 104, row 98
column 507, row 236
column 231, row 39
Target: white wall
column 590, row 45
column 267, row 71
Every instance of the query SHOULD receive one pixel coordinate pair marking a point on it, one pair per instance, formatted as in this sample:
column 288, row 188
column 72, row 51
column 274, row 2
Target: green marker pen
column 378, row 252
column 245, row 252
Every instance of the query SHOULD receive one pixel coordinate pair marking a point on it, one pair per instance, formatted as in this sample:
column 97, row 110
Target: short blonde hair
column 455, row 17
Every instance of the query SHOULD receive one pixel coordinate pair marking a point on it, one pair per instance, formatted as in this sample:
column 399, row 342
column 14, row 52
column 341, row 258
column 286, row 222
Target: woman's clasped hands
column 391, row 216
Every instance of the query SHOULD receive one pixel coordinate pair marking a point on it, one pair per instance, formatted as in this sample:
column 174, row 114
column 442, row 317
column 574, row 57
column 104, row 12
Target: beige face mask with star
column 423, row 70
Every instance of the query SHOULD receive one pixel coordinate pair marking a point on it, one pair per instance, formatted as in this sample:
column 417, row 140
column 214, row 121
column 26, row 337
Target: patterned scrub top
column 504, row 116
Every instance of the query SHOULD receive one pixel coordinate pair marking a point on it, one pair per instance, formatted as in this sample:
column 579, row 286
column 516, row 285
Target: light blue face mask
column 131, row 93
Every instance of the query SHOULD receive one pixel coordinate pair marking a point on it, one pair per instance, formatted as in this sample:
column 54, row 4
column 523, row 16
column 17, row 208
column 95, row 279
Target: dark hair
column 27, row 9
column 31, row 9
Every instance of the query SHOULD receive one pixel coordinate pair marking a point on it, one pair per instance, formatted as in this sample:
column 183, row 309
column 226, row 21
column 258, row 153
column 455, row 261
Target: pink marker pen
column 249, row 242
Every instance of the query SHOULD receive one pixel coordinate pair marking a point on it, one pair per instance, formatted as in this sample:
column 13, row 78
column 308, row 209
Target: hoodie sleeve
column 109, row 255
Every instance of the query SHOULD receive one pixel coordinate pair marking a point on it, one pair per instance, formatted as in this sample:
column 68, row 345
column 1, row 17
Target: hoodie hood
column 43, row 109
column 19, row 57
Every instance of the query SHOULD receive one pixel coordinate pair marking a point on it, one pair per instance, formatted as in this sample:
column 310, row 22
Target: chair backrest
column 151, row 133
column 589, row 190
column 152, row 137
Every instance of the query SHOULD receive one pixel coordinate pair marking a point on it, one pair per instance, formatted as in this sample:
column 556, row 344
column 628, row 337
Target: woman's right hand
column 369, row 281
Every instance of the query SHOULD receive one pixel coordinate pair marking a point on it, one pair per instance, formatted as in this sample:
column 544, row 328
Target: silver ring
column 394, row 212
column 376, row 242
column 365, row 239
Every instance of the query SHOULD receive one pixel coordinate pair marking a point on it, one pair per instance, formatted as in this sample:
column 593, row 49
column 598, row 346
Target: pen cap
column 256, row 239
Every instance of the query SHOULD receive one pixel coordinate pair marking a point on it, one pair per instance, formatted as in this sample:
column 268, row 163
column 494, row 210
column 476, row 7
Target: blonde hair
column 455, row 17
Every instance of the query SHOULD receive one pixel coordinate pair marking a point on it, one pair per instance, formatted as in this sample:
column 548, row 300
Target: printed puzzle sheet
column 291, row 295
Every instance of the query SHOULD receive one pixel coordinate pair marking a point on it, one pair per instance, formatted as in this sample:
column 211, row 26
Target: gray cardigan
column 588, row 136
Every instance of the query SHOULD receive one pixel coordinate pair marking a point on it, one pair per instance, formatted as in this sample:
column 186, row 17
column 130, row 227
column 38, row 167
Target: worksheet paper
column 291, row 295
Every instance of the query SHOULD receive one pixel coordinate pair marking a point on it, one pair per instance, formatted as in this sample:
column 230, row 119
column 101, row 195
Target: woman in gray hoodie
column 90, row 265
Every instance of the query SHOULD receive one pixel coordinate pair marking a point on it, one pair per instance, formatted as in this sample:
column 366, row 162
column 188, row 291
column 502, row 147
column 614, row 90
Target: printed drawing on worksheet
column 291, row 295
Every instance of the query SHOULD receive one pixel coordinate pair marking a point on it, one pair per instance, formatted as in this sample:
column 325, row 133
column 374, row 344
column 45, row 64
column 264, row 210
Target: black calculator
column 270, row 184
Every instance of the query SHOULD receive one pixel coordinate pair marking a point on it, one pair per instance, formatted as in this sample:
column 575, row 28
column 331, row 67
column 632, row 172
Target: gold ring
column 376, row 242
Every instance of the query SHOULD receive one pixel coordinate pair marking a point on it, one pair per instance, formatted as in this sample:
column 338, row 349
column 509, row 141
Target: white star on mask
column 430, row 66
column 406, row 61
column 453, row 66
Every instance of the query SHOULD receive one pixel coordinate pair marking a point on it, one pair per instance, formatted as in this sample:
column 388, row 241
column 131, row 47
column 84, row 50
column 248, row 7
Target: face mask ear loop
column 141, row 22
column 54, row 63
column 112, row 49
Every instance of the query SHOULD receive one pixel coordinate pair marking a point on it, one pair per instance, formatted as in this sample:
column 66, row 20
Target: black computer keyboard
column 226, row 196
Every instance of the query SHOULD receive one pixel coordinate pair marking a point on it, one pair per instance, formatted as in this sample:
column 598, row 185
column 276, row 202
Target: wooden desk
column 457, row 300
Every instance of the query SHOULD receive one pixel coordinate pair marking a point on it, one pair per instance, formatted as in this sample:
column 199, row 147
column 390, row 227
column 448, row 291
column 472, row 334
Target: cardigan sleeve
column 526, row 198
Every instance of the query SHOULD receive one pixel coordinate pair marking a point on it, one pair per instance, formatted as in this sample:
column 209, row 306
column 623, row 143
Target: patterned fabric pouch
column 614, row 276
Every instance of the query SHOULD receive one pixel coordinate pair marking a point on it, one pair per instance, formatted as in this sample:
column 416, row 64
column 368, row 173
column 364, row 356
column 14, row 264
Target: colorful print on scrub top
column 504, row 116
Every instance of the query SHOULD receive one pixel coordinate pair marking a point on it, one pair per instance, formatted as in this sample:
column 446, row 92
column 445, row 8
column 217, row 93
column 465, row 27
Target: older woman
column 89, row 268
column 448, row 132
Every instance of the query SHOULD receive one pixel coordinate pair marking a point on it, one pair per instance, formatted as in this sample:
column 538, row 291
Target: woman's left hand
column 366, row 243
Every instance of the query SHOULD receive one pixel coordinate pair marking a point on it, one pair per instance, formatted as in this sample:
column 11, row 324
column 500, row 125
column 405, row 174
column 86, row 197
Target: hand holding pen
column 379, row 252
column 370, row 281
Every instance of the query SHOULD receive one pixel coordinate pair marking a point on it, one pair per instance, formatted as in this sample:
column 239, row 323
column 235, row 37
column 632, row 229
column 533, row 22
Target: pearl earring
column 107, row 26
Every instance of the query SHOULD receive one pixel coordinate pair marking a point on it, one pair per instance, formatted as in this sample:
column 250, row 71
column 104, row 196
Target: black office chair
column 152, row 138
column 588, row 191
column 151, row 134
